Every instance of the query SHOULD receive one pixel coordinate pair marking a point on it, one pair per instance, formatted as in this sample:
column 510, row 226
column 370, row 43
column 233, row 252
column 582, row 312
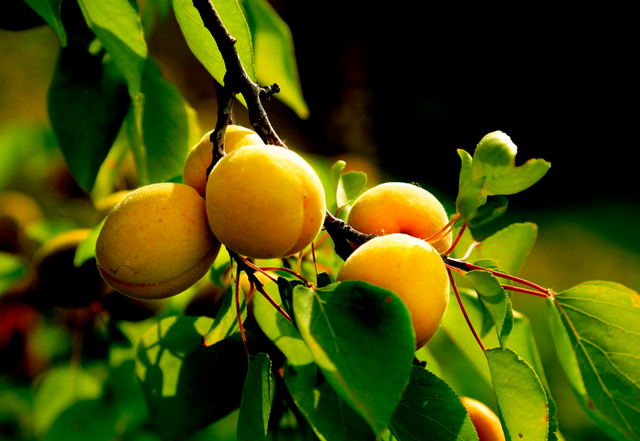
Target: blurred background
column 395, row 92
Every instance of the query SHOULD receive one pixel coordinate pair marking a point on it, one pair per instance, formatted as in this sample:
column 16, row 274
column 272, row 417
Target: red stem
column 464, row 311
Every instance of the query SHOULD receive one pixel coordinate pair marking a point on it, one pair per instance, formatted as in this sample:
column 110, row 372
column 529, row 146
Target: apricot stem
column 458, row 236
column 460, row 264
column 464, row 311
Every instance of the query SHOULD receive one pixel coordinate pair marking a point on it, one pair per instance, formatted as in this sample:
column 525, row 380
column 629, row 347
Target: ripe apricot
column 412, row 269
column 265, row 201
column 486, row 422
column 58, row 281
column 156, row 242
column 200, row 156
column 398, row 207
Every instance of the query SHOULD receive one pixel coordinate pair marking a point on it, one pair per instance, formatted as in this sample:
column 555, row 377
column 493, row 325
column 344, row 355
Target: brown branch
column 236, row 81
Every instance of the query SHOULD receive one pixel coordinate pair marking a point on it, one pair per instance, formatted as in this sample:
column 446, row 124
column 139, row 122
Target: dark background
column 411, row 85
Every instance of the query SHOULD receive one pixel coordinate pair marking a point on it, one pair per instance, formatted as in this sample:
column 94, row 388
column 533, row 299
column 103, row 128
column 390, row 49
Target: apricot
column 265, row 201
column 398, row 207
column 156, row 242
column 409, row 267
column 59, row 282
column 200, row 156
column 17, row 211
column 486, row 422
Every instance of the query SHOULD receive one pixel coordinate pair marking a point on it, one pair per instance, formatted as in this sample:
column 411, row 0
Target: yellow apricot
column 265, row 202
column 156, row 242
column 412, row 269
column 59, row 281
column 398, row 207
column 486, row 422
column 199, row 158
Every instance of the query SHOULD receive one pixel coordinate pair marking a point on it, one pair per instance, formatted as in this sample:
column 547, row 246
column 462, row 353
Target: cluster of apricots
column 262, row 201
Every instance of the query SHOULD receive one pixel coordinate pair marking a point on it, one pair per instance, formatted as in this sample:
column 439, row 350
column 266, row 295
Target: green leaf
column 86, row 107
column 460, row 356
column 496, row 301
column 362, row 339
column 494, row 164
column 187, row 385
column 509, row 247
column 225, row 322
column 257, row 395
column 596, row 330
column 429, row 409
column 521, row 396
column 169, row 126
column 201, row 42
column 278, row 329
column 331, row 418
column 49, row 10
column 117, row 25
column 59, row 389
column 275, row 54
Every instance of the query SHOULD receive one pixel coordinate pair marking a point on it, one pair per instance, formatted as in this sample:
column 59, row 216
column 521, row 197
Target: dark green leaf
column 49, row 10
column 274, row 54
column 331, row 418
column 596, row 330
column 187, row 385
column 87, row 103
column 521, row 396
column 169, row 126
column 362, row 339
column 430, row 410
column 257, row 395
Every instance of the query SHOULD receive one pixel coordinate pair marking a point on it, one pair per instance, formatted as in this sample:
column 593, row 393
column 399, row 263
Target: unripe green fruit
column 398, row 207
column 265, row 202
column 199, row 158
column 412, row 269
column 156, row 242
column 486, row 422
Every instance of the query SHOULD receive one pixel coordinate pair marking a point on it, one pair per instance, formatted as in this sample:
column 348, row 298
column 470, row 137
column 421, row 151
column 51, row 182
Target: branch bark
column 237, row 81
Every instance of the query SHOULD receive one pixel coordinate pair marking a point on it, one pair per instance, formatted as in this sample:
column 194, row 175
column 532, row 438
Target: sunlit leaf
column 429, row 410
column 202, row 43
column 495, row 300
column 274, row 54
column 521, row 396
column 596, row 330
column 60, row 389
column 12, row 268
column 117, row 25
column 362, row 339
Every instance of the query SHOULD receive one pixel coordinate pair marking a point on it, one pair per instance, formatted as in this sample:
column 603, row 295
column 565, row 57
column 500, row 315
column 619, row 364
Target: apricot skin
column 486, row 422
column 398, row 207
column 412, row 269
column 265, row 202
column 200, row 156
column 156, row 242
